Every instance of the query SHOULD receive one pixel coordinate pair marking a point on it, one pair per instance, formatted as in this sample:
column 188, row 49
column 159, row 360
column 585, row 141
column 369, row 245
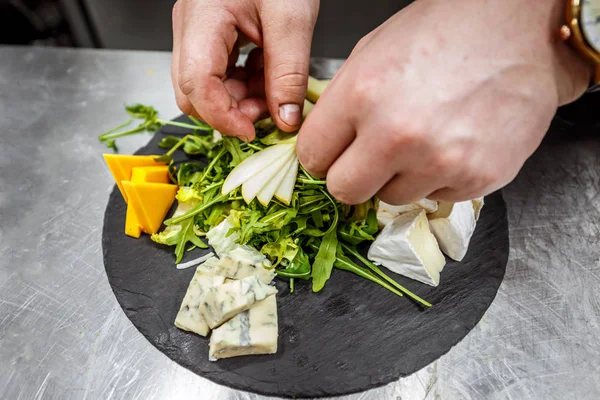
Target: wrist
column 573, row 72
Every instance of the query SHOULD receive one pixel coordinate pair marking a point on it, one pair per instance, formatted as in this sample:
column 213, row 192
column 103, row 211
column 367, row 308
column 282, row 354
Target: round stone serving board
column 352, row 336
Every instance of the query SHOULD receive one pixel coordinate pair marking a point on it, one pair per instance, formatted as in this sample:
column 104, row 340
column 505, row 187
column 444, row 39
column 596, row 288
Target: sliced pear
column 253, row 186
column 254, row 164
column 308, row 106
column 286, row 189
column 315, row 88
column 266, row 194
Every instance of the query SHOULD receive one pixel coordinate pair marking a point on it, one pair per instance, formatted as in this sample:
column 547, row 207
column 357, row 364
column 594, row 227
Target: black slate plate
column 352, row 336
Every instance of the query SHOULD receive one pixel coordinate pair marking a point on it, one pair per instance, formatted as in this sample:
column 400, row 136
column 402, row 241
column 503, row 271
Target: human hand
column 445, row 100
column 206, row 40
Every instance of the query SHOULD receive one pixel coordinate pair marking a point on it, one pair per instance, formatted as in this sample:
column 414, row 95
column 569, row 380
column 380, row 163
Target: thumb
column 287, row 34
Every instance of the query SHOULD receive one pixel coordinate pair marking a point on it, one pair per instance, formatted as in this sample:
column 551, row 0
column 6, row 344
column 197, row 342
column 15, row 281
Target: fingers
column 287, row 29
column 358, row 173
column 208, row 36
column 326, row 132
column 182, row 102
column 254, row 107
column 406, row 189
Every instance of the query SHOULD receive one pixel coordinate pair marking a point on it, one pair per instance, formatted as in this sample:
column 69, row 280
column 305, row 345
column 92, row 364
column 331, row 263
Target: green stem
column 196, row 210
column 212, row 163
column 198, row 122
column 312, row 181
column 305, row 172
column 121, row 134
column 183, row 125
column 212, row 186
column 178, row 145
column 364, row 273
column 291, row 285
column 117, row 128
column 255, row 147
column 379, row 272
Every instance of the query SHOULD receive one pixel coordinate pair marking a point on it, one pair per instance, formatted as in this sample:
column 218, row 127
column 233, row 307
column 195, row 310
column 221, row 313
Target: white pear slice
column 254, row 165
column 266, row 194
column 308, row 107
column 315, row 88
column 286, row 189
column 253, row 186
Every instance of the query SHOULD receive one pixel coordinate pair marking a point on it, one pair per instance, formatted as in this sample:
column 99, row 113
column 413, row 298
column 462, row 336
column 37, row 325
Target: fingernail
column 290, row 114
column 245, row 138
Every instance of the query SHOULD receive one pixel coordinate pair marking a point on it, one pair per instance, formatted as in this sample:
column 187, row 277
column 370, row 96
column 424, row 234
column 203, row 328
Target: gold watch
column 582, row 30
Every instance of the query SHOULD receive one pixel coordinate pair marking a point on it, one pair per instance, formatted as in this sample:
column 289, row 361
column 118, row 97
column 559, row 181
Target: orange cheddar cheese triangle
column 150, row 202
column 153, row 174
column 133, row 227
column 121, row 165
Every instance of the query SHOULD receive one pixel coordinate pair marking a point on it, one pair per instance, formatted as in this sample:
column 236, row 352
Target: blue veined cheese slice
column 240, row 263
column 407, row 247
column 225, row 301
column 453, row 225
column 189, row 317
column 250, row 332
column 220, row 240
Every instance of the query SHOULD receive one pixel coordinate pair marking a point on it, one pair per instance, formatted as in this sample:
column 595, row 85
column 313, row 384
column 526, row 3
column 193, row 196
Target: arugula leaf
column 323, row 264
column 299, row 268
column 233, row 146
column 325, row 257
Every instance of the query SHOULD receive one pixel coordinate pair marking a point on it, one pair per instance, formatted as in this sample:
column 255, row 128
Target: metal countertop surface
column 63, row 335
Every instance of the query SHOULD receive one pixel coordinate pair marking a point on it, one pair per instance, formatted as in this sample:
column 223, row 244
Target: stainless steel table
column 63, row 335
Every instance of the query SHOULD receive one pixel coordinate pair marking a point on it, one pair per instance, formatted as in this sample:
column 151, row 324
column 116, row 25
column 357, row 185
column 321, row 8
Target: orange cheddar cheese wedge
column 150, row 202
column 133, row 227
column 153, row 174
column 121, row 166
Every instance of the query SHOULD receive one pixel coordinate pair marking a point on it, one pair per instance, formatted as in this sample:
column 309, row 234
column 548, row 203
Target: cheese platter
column 318, row 342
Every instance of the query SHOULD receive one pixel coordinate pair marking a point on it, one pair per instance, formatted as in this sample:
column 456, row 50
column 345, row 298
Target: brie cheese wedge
column 477, row 206
column 453, row 225
column 250, row 332
column 406, row 246
column 387, row 212
column 189, row 317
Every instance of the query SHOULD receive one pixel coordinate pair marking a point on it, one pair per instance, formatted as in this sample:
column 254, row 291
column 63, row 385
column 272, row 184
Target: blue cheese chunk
column 189, row 317
column 223, row 302
column 251, row 332
column 220, row 239
column 240, row 263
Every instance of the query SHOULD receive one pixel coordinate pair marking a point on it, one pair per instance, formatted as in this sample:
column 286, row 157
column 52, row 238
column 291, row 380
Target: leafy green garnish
column 305, row 240
column 150, row 123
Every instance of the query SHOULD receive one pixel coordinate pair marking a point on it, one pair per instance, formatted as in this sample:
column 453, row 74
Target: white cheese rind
column 225, row 301
column 407, row 247
column 189, row 317
column 253, row 331
column 387, row 212
column 477, row 206
column 453, row 232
